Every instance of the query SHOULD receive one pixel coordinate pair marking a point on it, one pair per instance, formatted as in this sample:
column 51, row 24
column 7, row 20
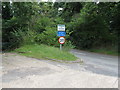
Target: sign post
column 61, row 40
column 61, row 32
column 60, row 46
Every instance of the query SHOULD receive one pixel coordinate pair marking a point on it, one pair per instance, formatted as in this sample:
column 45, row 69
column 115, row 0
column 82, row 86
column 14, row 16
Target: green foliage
column 48, row 37
column 27, row 37
column 16, row 16
column 109, row 51
column 45, row 52
column 19, row 38
column 68, row 45
column 39, row 24
column 88, row 25
column 69, row 10
column 6, row 9
column 90, row 29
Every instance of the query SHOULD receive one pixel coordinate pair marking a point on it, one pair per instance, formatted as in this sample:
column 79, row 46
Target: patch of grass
column 105, row 51
column 45, row 52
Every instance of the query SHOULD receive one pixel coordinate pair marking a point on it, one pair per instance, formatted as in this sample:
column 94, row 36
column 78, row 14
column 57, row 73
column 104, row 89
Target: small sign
column 61, row 40
column 61, row 27
column 61, row 33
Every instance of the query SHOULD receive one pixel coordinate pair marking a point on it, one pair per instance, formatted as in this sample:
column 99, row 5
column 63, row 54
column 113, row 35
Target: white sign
column 61, row 27
column 61, row 40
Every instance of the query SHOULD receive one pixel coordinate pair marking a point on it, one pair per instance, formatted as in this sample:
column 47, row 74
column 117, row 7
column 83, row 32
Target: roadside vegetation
column 89, row 26
column 105, row 51
column 45, row 52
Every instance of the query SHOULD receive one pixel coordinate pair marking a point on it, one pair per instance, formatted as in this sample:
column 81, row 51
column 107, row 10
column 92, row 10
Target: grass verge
column 105, row 51
column 45, row 52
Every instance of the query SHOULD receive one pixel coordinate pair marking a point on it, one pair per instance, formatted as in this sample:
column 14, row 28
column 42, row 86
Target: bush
column 89, row 28
column 40, row 23
column 48, row 37
column 20, row 37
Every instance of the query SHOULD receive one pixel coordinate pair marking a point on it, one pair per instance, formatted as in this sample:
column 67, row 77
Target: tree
column 16, row 16
column 89, row 28
column 70, row 9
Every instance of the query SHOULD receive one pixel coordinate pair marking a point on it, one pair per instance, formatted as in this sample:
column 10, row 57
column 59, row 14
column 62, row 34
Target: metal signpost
column 61, row 32
column 61, row 40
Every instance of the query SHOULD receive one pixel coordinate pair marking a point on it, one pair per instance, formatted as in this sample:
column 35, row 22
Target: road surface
column 98, row 63
column 23, row 72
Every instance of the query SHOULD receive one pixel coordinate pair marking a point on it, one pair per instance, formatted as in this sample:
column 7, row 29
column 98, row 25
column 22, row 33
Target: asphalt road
column 25, row 72
column 98, row 63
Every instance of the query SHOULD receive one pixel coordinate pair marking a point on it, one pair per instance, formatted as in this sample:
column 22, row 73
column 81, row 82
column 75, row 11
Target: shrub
column 21, row 37
column 48, row 37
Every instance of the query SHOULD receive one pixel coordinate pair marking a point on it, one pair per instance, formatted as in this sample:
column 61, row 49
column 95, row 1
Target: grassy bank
column 45, row 52
column 105, row 51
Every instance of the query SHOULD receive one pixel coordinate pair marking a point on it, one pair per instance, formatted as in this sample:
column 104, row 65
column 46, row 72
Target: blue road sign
column 61, row 33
